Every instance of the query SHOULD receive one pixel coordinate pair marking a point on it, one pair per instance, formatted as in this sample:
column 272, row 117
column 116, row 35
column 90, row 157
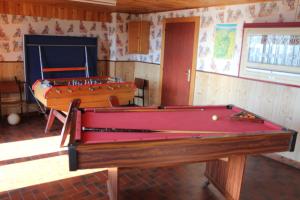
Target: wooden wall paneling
column 149, row 72
column 141, row 72
column 8, row 70
column 112, row 68
column 14, row 7
column 130, row 70
column 27, row 9
column 286, row 99
column 2, row 6
column 45, row 11
column 276, row 102
column 51, row 10
column 103, row 68
column 88, row 15
column 146, row 6
column 27, row 108
column 125, row 70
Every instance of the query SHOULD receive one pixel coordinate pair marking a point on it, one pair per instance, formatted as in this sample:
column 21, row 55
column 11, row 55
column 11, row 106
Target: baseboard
column 284, row 160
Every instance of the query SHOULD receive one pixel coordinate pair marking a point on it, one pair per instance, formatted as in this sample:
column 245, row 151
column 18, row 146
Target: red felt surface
column 182, row 119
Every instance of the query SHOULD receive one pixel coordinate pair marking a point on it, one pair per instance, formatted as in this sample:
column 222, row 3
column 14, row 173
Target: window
column 271, row 53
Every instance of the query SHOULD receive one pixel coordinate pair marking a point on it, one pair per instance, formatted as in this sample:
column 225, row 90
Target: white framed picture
column 271, row 52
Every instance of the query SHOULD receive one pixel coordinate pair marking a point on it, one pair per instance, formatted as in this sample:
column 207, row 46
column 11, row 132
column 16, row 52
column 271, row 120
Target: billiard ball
column 214, row 117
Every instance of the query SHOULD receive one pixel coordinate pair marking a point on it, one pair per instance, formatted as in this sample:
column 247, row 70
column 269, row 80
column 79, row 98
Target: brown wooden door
column 177, row 63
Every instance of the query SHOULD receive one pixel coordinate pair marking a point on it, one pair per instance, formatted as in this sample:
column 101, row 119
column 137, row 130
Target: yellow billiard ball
column 214, row 117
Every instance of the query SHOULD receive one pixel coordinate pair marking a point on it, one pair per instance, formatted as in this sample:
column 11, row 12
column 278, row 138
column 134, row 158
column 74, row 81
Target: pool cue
column 126, row 130
column 143, row 109
column 137, row 110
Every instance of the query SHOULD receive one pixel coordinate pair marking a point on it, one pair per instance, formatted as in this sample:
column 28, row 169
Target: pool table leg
column 113, row 183
column 227, row 176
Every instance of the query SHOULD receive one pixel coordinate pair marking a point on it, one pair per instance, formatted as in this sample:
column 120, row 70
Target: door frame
column 196, row 20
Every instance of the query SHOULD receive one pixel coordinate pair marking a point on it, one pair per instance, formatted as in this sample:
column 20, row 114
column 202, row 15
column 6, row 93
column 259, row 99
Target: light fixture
column 99, row 2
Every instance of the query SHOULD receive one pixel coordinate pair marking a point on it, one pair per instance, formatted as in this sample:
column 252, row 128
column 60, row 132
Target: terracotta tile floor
column 35, row 169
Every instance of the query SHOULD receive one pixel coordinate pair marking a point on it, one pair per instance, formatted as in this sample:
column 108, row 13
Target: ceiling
column 146, row 6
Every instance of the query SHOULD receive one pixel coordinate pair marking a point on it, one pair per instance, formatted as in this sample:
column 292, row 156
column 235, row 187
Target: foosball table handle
column 109, row 87
column 91, row 89
column 58, row 91
column 69, row 90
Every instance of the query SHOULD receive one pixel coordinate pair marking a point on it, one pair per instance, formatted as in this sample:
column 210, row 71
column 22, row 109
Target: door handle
column 188, row 74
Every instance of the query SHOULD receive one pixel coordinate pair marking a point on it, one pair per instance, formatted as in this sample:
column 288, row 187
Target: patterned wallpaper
column 113, row 37
column 13, row 27
column 276, row 11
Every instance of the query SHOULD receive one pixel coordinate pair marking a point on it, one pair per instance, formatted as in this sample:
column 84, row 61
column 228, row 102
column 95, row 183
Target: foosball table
column 57, row 94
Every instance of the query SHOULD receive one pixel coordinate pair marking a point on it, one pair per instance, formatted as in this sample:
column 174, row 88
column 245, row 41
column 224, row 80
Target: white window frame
column 283, row 74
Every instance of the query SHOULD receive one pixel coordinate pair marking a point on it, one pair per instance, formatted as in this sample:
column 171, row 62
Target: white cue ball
column 214, row 117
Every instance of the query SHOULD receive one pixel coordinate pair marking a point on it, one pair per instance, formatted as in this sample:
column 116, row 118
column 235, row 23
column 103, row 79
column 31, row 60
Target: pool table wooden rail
column 177, row 151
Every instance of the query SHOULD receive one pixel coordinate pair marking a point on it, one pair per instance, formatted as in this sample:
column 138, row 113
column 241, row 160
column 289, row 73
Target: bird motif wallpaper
column 14, row 27
column 113, row 36
column 210, row 19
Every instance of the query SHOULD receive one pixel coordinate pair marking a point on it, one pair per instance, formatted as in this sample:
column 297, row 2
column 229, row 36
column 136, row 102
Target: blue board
column 58, row 51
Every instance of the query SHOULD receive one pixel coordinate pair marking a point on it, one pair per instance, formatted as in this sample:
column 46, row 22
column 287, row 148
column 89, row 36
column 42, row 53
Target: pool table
column 119, row 138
